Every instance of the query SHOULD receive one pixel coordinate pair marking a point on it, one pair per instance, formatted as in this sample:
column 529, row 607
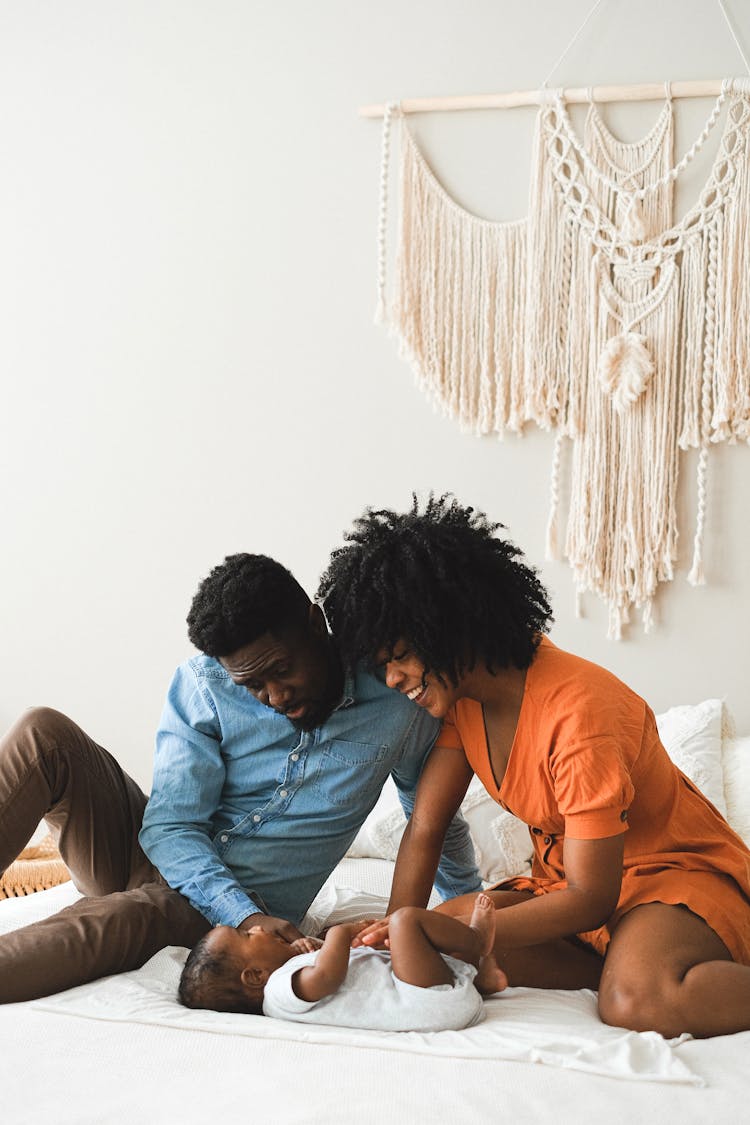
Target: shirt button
column 284, row 793
column 624, row 815
column 224, row 839
column 256, row 818
column 295, row 757
column 548, row 839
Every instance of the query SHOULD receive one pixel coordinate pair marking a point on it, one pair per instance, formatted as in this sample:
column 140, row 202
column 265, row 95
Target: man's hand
column 272, row 925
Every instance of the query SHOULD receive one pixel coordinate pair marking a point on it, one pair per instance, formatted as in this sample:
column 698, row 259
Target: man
column 269, row 757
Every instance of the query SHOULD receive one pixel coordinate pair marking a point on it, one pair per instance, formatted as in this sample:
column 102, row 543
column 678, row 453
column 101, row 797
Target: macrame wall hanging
column 598, row 317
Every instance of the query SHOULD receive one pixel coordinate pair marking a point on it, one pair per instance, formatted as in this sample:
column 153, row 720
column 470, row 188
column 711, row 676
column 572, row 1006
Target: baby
column 430, row 979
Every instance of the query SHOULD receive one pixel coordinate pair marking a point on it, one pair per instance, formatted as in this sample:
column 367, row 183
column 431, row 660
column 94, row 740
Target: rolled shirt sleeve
column 593, row 788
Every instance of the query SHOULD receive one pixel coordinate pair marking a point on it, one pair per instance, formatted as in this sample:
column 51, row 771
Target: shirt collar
column 347, row 699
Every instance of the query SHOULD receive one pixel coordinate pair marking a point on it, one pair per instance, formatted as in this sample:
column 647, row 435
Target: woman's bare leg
column 554, row 964
column 666, row 970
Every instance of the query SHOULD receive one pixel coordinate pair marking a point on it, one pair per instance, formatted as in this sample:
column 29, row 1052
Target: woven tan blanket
column 36, row 869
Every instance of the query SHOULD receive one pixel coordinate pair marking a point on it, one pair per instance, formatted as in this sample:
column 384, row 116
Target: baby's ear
column 254, row 979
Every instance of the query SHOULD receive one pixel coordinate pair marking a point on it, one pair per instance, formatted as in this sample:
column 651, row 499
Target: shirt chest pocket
column 349, row 772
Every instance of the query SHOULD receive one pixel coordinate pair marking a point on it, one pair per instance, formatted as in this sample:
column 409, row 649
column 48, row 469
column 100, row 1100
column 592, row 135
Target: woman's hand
column 373, row 933
column 351, row 929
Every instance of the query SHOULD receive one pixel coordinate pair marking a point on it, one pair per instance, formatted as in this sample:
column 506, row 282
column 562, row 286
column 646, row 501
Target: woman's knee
column 639, row 1006
column 619, row 1006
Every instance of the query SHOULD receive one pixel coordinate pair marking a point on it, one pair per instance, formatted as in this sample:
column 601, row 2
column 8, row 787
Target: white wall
column 188, row 207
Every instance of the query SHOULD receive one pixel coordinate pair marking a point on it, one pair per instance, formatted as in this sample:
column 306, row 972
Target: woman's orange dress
column 587, row 762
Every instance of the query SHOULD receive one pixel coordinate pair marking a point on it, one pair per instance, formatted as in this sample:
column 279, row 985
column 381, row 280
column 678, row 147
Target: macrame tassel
column 618, row 616
column 634, row 224
column 696, row 577
column 624, row 369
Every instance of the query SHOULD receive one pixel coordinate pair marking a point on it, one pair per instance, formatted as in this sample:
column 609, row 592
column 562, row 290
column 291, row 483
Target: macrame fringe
column 456, row 306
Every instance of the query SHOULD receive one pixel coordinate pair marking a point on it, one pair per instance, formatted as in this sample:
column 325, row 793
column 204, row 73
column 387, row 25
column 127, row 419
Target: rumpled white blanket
column 558, row 1028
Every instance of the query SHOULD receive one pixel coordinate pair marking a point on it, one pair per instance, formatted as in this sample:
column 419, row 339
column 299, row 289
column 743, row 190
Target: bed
column 122, row 1049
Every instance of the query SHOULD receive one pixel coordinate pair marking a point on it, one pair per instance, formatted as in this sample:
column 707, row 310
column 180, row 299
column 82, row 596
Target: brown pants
column 50, row 768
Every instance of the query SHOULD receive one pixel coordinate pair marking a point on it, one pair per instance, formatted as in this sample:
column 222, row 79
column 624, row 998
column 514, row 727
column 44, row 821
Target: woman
column 630, row 859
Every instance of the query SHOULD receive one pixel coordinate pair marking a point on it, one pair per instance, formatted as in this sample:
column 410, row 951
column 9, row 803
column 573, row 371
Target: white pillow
column 380, row 835
column 692, row 738
column 737, row 784
column 502, row 843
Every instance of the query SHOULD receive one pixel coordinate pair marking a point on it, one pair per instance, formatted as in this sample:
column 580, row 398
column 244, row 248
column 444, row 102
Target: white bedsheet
column 71, row 1070
column 525, row 1024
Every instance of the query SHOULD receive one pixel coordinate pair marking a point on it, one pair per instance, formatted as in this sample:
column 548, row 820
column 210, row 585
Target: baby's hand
column 306, row 944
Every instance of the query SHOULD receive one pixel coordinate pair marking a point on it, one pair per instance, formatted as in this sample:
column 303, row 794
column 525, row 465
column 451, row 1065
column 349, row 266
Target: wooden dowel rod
column 640, row 92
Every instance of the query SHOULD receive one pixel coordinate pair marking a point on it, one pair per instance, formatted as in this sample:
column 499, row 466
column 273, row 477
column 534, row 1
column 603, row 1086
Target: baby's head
column 227, row 970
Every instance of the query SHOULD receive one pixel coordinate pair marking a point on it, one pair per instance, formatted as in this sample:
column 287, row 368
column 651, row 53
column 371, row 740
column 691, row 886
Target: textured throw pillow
column 692, row 738
column 736, row 759
column 502, row 843
column 380, row 835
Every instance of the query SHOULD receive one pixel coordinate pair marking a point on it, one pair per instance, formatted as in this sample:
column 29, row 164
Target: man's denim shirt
column 249, row 813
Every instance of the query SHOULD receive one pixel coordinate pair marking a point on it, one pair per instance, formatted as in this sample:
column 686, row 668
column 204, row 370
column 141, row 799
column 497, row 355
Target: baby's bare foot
column 483, row 922
column 490, row 977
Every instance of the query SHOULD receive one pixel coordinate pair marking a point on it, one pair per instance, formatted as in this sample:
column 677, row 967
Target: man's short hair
column 243, row 598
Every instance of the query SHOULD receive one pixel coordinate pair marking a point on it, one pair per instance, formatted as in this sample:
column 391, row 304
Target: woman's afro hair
column 439, row 579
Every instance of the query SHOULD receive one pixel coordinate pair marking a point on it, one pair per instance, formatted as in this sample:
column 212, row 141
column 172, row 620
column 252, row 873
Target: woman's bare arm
column 442, row 787
column 593, row 870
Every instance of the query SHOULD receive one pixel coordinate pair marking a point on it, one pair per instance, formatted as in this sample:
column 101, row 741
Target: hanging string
column 385, row 161
column 572, row 41
column 732, row 32
column 598, row 3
